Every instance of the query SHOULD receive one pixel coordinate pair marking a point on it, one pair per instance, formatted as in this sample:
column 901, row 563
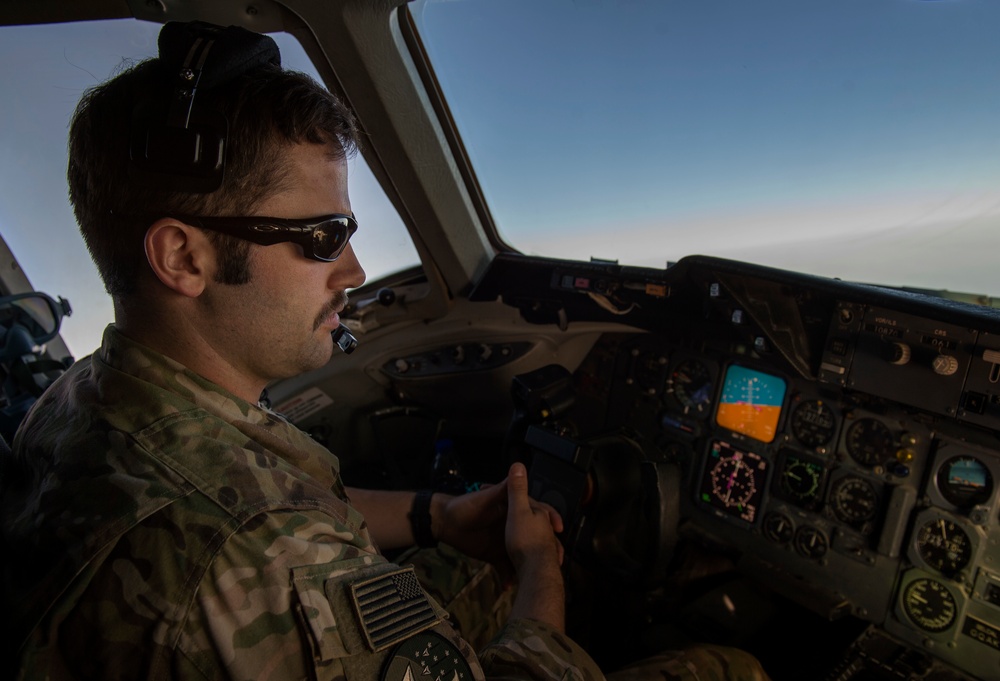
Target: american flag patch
column 391, row 608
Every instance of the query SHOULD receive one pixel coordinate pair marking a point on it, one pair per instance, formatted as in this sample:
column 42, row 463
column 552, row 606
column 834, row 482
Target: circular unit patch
column 427, row 657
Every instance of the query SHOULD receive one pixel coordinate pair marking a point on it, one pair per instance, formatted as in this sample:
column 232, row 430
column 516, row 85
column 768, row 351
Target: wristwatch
column 420, row 519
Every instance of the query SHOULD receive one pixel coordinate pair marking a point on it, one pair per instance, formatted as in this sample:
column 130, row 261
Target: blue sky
column 849, row 138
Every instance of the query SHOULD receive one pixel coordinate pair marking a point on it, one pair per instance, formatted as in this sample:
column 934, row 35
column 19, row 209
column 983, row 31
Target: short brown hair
column 267, row 109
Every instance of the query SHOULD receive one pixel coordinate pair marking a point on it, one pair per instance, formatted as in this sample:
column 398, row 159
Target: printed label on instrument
column 982, row 632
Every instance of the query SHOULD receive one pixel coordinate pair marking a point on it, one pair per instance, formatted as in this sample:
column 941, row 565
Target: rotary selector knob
column 945, row 365
column 899, row 353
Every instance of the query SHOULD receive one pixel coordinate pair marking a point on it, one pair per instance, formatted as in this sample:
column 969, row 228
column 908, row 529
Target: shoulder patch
column 428, row 656
column 392, row 607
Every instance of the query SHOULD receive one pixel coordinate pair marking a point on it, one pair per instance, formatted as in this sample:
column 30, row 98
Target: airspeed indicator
column 691, row 385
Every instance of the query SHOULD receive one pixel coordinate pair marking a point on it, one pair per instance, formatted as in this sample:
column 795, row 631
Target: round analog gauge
column 929, row 605
column 801, row 481
column 965, row 481
column 944, row 546
column 813, row 423
column 778, row 528
column 853, row 500
column 810, row 542
column 869, row 442
column 691, row 383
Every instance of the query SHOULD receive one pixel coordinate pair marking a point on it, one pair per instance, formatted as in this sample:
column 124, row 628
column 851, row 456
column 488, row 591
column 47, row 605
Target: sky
column 848, row 138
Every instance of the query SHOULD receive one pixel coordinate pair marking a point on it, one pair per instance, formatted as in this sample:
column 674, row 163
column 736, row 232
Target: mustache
column 338, row 302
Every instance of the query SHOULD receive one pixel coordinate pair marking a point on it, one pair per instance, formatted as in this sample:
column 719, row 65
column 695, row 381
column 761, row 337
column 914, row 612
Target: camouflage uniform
column 479, row 603
column 167, row 529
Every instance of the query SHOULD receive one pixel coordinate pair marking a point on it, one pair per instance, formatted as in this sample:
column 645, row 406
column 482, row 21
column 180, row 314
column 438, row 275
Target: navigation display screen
column 751, row 403
column 733, row 481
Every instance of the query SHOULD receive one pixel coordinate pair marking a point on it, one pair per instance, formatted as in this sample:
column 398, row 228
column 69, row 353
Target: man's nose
column 347, row 271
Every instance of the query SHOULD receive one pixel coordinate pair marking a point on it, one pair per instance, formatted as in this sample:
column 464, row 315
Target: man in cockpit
column 165, row 522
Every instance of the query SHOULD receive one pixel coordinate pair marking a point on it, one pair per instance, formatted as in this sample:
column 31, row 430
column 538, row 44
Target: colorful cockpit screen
column 751, row 403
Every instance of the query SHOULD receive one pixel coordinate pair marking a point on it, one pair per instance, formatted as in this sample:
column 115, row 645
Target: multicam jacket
column 156, row 526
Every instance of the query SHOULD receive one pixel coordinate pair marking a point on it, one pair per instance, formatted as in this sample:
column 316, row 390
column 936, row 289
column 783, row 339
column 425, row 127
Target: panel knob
column 945, row 365
column 899, row 353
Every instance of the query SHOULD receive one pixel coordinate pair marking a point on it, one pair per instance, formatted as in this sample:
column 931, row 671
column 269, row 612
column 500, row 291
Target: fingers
column 517, row 485
column 517, row 489
column 554, row 518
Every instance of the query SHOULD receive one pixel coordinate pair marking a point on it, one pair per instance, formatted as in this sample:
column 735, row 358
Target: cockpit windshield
column 848, row 139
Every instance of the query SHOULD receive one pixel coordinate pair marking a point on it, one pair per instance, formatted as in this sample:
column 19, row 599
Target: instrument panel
column 841, row 440
column 848, row 500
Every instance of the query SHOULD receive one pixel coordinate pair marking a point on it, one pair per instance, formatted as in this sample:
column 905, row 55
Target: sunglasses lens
column 330, row 238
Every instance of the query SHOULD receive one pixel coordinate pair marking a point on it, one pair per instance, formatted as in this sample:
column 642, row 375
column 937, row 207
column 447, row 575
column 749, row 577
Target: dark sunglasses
column 321, row 238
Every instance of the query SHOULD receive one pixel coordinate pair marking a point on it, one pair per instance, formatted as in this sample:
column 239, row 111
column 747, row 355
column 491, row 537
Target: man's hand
column 476, row 523
column 473, row 523
column 535, row 552
column 531, row 526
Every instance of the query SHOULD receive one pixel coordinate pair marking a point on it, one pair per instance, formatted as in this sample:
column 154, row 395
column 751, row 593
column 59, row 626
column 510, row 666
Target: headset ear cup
column 189, row 159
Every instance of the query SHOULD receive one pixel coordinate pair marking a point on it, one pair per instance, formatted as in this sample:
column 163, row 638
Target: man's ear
column 180, row 256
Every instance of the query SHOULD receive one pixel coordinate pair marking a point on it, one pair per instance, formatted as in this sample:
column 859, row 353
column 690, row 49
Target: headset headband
column 185, row 150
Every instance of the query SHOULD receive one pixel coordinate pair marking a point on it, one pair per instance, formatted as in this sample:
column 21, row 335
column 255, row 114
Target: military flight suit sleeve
column 249, row 620
column 285, row 598
column 529, row 649
column 281, row 601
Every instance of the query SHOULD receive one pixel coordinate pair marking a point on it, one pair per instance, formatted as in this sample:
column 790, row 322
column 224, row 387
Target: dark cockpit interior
column 836, row 442
column 797, row 465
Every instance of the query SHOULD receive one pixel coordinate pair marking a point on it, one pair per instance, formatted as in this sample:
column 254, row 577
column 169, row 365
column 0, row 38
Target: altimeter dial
column 813, row 423
column 944, row 546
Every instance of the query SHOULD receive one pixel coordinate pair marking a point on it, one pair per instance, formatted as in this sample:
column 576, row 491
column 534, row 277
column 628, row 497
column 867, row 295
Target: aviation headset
column 184, row 149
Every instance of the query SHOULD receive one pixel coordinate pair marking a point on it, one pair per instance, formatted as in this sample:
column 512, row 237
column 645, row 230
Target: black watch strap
column 420, row 519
